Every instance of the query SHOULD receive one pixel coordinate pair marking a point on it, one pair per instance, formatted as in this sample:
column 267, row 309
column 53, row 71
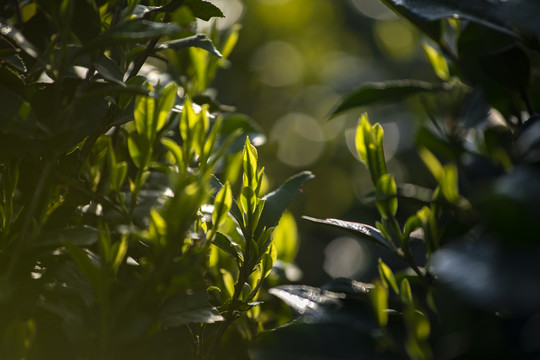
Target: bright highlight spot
column 278, row 63
column 300, row 139
column 344, row 257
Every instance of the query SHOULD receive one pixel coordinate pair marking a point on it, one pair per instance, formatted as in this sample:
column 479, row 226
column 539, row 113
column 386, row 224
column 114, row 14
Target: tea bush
column 121, row 236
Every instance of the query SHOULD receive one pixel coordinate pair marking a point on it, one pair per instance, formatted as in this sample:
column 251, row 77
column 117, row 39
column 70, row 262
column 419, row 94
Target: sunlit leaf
column 449, row 183
column 364, row 231
column 222, row 204
column 438, row 62
column 379, row 298
column 387, row 276
column 406, row 293
column 285, row 237
column 386, row 196
column 249, row 161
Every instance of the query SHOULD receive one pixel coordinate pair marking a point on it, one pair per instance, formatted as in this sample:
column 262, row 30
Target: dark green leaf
column 110, row 70
column 8, row 30
column 484, row 12
column 430, row 28
column 199, row 40
column 132, row 31
column 277, row 201
column 235, row 210
column 88, row 22
column 192, row 307
column 364, row 231
column 369, row 93
column 226, row 244
column 303, row 341
column 203, row 9
column 17, row 115
column 81, row 236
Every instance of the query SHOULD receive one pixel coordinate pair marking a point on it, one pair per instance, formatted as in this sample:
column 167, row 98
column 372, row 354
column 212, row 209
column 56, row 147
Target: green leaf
column 437, row 144
column 222, row 204
column 200, row 40
column 277, row 201
column 109, row 69
column 366, row 232
column 235, row 210
column 145, row 108
column 189, row 307
column 370, row 93
column 165, row 103
column 412, row 223
column 87, row 267
column 482, row 12
column 310, row 302
column 223, row 242
column 249, row 161
column 432, row 163
column 18, row 116
column 135, row 82
column 369, row 144
column 203, row 9
column 379, row 298
column 387, row 277
column 81, row 236
column 285, row 237
column 406, row 293
column 8, row 30
column 437, row 61
column 175, row 150
column 131, row 32
column 121, row 252
column 449, row 183
column 386, row 196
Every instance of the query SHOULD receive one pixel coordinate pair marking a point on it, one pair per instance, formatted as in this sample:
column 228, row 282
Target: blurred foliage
column 462, row 276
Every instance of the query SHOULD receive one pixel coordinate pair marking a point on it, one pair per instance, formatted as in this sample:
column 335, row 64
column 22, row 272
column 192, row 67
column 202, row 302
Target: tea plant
column 120, row 236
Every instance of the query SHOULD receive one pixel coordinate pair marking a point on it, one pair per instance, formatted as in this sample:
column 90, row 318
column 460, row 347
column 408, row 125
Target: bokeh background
column 294, row 61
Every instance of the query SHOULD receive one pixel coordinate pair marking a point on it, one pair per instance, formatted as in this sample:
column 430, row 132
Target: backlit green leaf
column 364, row 231
column 437, row 61
column 386, row 196
column 379, row 299
column 285, row 237
column 222, row 204
column 387, row 276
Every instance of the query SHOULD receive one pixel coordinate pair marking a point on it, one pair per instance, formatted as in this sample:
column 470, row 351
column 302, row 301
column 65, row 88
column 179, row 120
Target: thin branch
column 142, row 58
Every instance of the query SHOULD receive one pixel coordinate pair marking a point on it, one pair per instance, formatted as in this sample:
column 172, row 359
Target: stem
column 142, row 58
column 229, row 318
